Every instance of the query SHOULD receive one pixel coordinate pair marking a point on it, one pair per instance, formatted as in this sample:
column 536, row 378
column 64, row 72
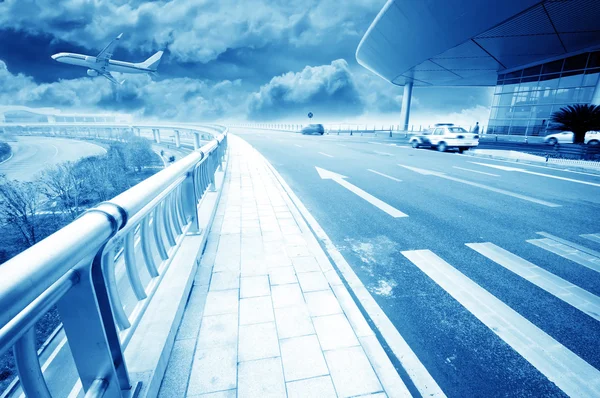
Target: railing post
column 190, row 199
column 91, row 331
column 196, row 140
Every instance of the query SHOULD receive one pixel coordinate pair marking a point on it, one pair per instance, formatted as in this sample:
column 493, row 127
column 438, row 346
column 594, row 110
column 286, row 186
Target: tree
column 65, row 185
column 579, row 119
column 139, row 154
column 19, row 206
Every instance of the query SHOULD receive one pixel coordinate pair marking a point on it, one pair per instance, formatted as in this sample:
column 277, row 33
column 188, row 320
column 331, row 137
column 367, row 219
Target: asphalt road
column 31, row 155
column 493, row 343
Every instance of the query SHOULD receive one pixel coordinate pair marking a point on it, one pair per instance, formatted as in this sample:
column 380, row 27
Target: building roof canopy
column 467, row 42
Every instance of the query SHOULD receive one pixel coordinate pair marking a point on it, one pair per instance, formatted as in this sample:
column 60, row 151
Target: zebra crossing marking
column 579, row 298
column 592, row 237
column 569, row 372
column 571, row 251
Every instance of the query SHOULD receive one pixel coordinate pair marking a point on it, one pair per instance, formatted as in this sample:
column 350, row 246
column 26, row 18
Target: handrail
column 74, row 268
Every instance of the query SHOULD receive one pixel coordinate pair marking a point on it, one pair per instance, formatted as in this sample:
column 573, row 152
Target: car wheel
column 414, row 144
column 322, row 133
column 442, row 147
column 593, row 142
column 552, row 141
column 461, row 150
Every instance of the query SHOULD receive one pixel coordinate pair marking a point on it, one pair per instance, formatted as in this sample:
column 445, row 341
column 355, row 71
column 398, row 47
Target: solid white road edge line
column 475, row 171
column 384, row 175
column 421, row 378
column 571, row 294
column 561, row 366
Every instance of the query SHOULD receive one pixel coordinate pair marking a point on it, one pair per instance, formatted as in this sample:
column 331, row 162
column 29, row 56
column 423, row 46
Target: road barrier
column 74, row 270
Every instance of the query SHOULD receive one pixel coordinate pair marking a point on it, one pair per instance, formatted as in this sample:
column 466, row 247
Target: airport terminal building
column 539, row 55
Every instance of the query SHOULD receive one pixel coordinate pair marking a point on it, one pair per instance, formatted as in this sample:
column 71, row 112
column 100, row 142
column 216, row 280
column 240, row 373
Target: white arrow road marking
column 506, row 168
column 561, row 366
column 474, row 184
column 475, row 171
column 384, row 175
column 330, row 175
column 325, row 154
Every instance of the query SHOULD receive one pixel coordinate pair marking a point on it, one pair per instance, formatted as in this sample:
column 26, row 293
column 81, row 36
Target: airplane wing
column 107, row 52
column 110, row 77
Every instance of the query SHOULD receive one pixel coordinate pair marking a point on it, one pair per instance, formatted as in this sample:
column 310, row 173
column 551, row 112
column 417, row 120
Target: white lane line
column 417, row 372
column 341, row 145
column 579, row 298
column 384, row 175
column 475, row 171
column 520, row 170
column 568, row 252
column 534, row 165
column 384, row 153
column 570, row 373
column 325, row 154
column 486, row 187
column 380, row 204
column 55, row 151
column 299, row 146
column 592, row 237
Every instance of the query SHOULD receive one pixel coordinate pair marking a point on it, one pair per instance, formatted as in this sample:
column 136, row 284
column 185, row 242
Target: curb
column 539, row 164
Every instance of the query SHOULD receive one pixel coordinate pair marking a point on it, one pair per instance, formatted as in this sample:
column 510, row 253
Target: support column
column 158, row 136
column 196, row 140
column 177, row 139
column 596, row 96
column 406, row 98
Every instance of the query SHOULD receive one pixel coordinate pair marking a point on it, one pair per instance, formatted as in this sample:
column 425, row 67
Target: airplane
column 102, row 64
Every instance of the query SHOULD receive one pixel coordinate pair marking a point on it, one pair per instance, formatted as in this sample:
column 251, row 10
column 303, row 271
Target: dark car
column 313, row 129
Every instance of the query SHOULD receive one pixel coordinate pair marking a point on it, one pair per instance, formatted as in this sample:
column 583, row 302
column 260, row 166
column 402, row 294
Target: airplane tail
column 152, row 62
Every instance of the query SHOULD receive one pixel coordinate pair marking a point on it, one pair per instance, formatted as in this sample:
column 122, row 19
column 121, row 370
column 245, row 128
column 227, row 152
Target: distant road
column 33, row 154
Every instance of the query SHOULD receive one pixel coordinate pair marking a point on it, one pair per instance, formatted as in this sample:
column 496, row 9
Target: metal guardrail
column 74, row 270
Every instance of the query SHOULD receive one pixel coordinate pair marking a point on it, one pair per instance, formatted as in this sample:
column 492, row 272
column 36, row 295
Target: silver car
column 566, row 137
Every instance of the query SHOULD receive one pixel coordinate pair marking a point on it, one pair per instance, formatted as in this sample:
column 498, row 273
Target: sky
column 225, row 60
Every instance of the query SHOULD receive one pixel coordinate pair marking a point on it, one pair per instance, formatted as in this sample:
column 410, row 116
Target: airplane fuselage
column 110, row 65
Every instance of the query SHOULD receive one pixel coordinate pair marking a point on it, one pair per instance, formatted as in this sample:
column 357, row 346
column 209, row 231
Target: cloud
column 193, row 30
column 329, row 91
column 182, row 99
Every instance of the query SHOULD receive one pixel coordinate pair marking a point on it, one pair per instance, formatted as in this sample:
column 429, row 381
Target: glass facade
column 524, row 100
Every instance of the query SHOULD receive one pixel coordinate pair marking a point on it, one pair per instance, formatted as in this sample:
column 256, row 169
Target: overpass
column 111, row 130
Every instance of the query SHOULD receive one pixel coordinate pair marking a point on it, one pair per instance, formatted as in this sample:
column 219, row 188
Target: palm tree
column 579, row 119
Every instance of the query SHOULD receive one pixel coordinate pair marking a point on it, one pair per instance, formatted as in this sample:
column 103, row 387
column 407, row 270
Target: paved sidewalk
column 268, row 315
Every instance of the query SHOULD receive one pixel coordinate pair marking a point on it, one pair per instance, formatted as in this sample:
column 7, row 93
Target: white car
column 447, row 136
column 566, row 137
